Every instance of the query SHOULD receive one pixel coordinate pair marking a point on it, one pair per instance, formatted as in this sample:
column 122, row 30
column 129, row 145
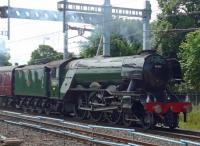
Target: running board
column 100, row 109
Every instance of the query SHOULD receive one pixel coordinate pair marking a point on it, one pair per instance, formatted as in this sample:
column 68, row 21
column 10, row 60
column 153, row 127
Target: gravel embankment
column 35, row 138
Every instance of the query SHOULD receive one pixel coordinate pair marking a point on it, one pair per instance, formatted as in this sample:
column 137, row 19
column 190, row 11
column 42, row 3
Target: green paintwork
column 106, row 71
column 67, row 82
column 58, row 71
column 54, row 79
column 54, row 88
column 31, row 81
column 104, row 76
column 103, row 70
column 54, row 82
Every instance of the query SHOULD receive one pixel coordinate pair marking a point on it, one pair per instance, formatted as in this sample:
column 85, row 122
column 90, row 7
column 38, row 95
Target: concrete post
column 8, row 20
column 146, row 26
column 65, row 31
column 106, row 27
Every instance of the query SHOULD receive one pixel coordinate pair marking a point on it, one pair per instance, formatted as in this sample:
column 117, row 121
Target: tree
column 44, row 54
column 126, row 39
column 119, row 46
column 190, row 59
column 4, row 55
column 4, row 59
column 176, row 14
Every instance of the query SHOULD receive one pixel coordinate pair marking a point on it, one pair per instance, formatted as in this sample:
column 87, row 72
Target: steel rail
column 43, row 120
column 177, row 135
column 63, row 125
column 80, row 137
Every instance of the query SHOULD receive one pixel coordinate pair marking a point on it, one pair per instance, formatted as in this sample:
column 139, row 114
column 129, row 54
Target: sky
column 26, row 35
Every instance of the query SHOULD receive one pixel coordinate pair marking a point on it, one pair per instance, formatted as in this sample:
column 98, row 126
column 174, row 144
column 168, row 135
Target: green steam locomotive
column 126, row 90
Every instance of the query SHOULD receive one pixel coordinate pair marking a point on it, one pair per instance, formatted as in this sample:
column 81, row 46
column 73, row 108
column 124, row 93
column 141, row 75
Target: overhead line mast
column 65, row 31
column 84, row 13
column 8, row 20
column 106, row 12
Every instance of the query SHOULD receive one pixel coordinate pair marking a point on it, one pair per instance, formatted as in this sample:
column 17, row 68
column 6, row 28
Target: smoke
column 131, row 30
column 4, row 56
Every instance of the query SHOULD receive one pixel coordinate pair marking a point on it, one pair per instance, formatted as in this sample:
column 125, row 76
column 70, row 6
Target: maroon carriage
column 6, row 79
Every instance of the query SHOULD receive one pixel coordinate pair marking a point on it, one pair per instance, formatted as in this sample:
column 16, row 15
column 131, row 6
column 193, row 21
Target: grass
column 193, row 119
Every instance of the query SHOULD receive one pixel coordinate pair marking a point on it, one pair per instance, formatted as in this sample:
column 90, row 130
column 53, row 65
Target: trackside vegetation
column 193, row 119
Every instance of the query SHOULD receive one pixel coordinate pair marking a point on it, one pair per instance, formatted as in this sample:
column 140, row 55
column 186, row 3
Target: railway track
column 122, row 137
column 178, row 133
column 54, row 126
column 175, row 133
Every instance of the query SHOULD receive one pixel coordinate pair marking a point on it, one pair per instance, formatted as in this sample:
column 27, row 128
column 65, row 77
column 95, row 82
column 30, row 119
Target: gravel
column 35, row 138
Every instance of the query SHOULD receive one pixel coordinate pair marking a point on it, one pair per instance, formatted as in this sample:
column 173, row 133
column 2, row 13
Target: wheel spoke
column 125, row 120
column 96, row 116
column 114, row 117
column 95, row 98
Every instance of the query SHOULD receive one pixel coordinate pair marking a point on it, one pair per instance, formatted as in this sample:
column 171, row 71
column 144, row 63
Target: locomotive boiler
column 126, row 90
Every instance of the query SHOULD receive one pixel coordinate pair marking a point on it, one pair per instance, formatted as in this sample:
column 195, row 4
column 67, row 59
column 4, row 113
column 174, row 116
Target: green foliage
column 89, row 49
column 190, row 59
column 178, row 6
column 119, row 46
column 4, row 54
column 44, row 54
column 163, row 41
column 126, row 39
column 192, row 119
column 4, row 59
column 174, row 16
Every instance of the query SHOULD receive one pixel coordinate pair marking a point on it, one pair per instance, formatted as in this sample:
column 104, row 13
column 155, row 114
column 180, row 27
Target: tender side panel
column 31, row 82
column 6, row 83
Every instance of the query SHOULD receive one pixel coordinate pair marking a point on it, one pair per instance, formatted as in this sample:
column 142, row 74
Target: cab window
column 54, row 73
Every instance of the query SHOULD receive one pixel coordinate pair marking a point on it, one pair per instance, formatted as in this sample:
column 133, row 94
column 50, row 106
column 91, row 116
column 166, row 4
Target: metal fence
column 193, row 97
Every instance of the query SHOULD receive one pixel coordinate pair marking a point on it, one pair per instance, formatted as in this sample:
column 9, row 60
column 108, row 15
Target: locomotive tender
column 126, row 90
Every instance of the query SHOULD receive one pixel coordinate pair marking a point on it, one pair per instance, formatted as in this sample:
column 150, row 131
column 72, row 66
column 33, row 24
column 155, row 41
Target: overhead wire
column 38, row 36
column 168, row 30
